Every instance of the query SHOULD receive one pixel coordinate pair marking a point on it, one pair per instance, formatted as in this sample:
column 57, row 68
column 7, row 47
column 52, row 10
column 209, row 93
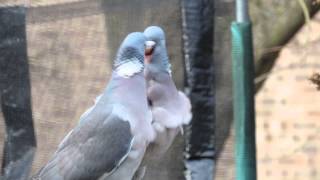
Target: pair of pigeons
column 132, row 123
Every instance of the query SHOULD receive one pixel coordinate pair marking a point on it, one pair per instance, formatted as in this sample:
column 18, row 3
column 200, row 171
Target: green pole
column 243, row 92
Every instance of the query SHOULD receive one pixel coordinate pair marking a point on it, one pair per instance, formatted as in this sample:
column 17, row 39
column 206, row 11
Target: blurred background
column 56, row 58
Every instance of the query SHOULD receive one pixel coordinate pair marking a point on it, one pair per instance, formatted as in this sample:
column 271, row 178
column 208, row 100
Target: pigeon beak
column 149, row 47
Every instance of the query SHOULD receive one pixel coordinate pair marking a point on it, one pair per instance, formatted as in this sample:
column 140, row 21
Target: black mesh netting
column 70, row 45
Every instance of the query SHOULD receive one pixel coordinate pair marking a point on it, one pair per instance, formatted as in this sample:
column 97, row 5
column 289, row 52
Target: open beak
column 149, row 47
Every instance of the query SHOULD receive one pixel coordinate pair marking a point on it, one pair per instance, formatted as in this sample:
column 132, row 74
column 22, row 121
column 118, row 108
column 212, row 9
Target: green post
column 243, row 92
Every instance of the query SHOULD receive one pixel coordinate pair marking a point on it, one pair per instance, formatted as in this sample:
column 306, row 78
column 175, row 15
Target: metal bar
column 242, row 13
column 244, row 116
column 243, row 93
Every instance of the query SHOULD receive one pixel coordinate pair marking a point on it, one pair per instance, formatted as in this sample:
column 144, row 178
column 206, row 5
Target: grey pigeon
column 111, row 138
column 170, row 108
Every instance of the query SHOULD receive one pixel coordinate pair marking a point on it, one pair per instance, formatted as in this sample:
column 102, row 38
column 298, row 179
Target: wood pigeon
column 110, row 140
column 170, row 108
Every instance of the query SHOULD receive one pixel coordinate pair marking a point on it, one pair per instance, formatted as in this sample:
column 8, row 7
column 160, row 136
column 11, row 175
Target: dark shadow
column 198, row 36
column 15, row 90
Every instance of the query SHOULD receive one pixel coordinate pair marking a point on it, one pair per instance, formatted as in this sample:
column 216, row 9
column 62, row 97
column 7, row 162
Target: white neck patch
column 169, row 69
column 131, row 67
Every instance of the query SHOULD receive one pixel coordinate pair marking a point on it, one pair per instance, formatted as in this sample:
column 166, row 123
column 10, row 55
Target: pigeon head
column 130, row 56
column 155, row 49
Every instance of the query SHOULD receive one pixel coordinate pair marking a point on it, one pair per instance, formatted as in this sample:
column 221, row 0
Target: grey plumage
column 110, row 140
column 170, row 107
column 80, row 156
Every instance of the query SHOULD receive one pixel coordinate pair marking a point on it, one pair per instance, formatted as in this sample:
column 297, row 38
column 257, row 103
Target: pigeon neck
column 120, row 82
column 160, row 62
column 128, row 95
column 159, row 68
column 129, row 68
column 127, row 90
